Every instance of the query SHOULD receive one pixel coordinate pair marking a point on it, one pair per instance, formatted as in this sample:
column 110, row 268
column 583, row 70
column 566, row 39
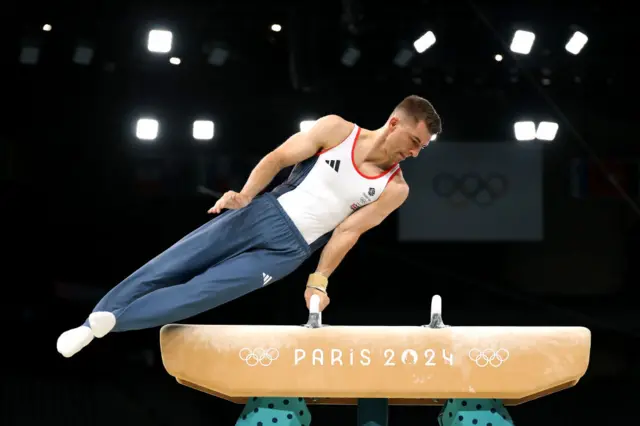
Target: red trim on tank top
column 394, row 173
column 353, row 161
column 392, row 176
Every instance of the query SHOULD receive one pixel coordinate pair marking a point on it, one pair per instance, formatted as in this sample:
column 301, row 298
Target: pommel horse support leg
column 472, row 372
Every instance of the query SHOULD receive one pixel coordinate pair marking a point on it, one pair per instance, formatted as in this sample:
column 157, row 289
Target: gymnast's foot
column 72, row 341
column 101, row 323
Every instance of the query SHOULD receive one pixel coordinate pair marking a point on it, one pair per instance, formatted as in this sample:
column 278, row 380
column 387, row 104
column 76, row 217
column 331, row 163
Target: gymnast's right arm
column 297, row 148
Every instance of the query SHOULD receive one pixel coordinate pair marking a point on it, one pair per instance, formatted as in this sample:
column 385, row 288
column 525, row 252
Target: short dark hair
column 421, row 109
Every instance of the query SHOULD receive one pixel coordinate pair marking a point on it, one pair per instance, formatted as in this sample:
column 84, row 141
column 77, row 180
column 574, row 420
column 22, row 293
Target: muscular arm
column 327, row 132
column 348, row 232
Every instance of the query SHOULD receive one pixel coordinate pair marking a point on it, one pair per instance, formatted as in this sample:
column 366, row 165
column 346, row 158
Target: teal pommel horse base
column 372, row 412
column 277, row 372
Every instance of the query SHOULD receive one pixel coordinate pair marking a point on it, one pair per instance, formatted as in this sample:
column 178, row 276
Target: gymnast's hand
column 230, row 200
column 324, row 298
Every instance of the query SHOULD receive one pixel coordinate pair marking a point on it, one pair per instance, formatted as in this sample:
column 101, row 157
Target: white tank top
column 330, row 189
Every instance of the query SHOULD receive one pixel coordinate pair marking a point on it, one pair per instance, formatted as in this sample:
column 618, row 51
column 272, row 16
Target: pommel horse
column 472, row 372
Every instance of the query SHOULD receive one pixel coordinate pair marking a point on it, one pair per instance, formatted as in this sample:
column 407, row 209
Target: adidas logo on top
column 334, row 164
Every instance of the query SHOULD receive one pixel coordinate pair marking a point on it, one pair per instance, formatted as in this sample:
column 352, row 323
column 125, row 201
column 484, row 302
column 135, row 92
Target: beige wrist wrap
column 318, row 282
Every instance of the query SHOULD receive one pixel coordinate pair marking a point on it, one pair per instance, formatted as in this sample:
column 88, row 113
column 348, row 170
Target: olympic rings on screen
column 260, row 356
column 482, row 358
column 481, row 190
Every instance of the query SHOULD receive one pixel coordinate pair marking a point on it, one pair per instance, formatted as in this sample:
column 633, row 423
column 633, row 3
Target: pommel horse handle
column 436, row 313
column 315, row 316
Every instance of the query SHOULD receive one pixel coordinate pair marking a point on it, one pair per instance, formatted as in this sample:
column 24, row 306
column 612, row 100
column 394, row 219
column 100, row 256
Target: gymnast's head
column 410, row 127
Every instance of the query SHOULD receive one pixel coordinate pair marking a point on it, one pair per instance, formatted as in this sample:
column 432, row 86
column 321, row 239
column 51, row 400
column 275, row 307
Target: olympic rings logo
column 260, row 356
column 488, row 357
column 483, row 191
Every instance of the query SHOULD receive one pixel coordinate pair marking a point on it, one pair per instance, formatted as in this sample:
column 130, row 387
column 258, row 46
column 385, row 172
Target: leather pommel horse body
column 473, row 372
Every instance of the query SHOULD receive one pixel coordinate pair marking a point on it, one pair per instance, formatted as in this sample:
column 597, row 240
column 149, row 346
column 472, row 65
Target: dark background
column 84, row 203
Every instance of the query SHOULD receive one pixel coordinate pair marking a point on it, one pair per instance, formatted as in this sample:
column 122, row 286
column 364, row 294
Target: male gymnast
column 346, row 180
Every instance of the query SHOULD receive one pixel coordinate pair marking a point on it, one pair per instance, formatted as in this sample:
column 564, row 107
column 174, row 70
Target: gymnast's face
column 405, row 138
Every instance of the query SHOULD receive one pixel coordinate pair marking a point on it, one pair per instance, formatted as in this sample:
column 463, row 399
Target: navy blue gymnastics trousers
column 235, row 253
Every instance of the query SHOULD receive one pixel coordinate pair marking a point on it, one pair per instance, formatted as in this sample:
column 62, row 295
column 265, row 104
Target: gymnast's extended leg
column 220, row 238
column 220, row 284
column 212, row 249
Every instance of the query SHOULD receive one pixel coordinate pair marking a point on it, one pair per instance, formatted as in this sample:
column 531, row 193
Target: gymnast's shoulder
column 332, row 129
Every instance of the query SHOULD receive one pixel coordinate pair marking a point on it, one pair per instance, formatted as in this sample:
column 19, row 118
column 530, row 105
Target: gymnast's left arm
column 347, row 234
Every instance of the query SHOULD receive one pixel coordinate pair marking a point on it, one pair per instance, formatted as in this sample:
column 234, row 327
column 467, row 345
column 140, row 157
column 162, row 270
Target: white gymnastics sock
column 101, row 323
column 72, row 341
